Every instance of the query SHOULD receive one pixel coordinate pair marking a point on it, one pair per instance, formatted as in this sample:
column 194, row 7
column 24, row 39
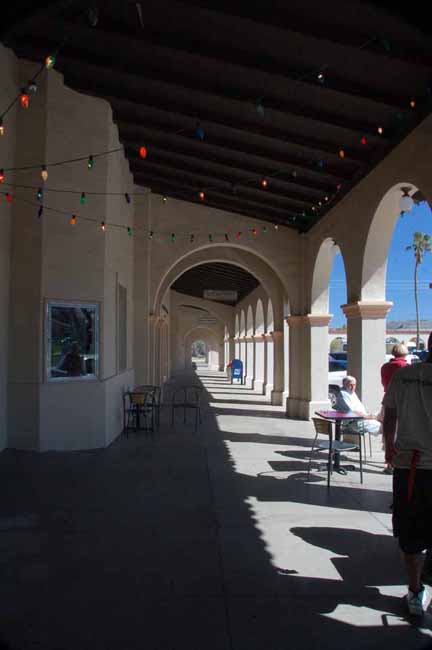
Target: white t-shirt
column 350, row 402
column 410, row 395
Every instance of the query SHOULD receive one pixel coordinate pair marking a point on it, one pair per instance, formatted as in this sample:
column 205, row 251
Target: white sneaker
column 416, row 602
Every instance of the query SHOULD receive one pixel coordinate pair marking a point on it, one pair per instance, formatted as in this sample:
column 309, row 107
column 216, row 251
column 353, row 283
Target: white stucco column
column 250, row 361
column 286, row 344
column 269, row 363
column 259, row 381
column 366, row 330
column 237, row 348
column 278, row 367
column 243, row 356
column 309, row 368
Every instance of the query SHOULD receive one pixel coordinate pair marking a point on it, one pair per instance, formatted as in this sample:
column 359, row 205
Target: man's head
column 349, row 383
column 399, row 350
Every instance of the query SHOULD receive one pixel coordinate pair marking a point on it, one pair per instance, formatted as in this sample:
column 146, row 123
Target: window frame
column 71, row 304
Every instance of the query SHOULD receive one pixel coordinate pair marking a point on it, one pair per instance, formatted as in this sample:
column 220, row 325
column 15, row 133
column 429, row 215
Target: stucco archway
column 229, row 254
column 212, row 341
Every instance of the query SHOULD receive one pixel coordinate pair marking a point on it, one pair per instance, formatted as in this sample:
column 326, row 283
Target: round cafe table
column 338, row 417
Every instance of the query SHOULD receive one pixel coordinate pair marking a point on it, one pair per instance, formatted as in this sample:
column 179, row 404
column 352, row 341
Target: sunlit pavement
column 208, row 540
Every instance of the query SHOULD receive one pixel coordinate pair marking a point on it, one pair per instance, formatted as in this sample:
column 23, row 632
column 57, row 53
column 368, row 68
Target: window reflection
column 72, row 341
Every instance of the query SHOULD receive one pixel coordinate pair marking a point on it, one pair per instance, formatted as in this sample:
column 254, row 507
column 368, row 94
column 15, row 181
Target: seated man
column 349, row 401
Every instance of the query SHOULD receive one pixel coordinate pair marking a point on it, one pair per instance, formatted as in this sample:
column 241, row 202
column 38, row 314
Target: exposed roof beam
column 158, row 69
column 198, row 50
column 217, row 199
column 245, row 168
column 279, row 188
column 320, row 180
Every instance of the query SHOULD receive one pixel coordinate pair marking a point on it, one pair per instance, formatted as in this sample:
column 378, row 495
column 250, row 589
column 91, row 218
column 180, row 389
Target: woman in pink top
column 399, row 361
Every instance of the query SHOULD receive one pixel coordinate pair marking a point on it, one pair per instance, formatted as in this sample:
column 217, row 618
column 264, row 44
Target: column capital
column 313, row 320
column 249, row 339
column 276, row 334
column 368, row 309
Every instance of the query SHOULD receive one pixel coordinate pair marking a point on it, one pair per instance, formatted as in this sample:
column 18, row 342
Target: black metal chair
column 357, row 428
column 137, row 405
column 325, row 428
column 187, row 397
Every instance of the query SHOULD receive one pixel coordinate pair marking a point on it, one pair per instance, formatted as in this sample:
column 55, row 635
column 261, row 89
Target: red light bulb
column 143, row 152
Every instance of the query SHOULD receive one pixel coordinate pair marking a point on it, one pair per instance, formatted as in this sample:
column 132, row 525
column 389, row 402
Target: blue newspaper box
column 237, row 370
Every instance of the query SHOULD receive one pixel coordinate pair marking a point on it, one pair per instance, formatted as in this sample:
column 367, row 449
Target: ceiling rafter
column 85, row 81
column 178, row 183
column 278, row 186
column 229, row 54
column 83, row 46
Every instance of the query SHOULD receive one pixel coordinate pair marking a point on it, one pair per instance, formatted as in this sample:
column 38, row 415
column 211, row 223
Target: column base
column 285, row 398
column 249, row 382
column 268, row 390
column 276, row 397
column 305, row 409
column 259, row 386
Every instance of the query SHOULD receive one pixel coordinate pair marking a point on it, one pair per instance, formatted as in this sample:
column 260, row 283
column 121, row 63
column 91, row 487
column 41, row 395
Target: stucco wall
column 53, row 260
column 8, row 88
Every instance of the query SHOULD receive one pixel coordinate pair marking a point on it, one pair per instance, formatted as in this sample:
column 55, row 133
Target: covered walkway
column 211, row 541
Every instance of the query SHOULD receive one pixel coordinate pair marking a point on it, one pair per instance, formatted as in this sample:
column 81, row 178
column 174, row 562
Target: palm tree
column 421, row 245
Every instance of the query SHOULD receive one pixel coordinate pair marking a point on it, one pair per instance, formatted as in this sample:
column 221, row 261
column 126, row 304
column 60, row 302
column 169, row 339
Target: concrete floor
column 207, row 541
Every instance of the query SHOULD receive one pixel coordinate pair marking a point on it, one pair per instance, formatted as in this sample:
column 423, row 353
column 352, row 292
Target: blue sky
column 400, row 272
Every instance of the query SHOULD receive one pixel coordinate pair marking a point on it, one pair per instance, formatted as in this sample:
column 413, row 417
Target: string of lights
column 320, row 74
column 75, row 218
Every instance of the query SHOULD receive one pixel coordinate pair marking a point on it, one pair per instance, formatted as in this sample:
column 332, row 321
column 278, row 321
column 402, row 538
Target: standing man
column 408, row 409
column 399, row 352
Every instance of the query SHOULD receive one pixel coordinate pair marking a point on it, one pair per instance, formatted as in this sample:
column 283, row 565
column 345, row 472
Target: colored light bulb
column 210, row 237
column 201, row 196
column 8, row 197
column 143, row 152
column 363, row 140
column 2, row 129
column 129, row 231
column 173, row 237
column 103, row 227
column 199, row 132
column 150, row 236
column 380, row 130
column 44, row 174
column 2, row 175
column 72, row 220
column 50, row 61
column 413, row 103
column 83, row 198
column 39, row 194
column 226, row 237
column 24, row 99
column 90, row 163
column 341, row 153
column 264, row 182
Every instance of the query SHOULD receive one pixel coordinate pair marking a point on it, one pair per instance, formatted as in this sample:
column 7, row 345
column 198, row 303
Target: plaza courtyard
column 216, row 539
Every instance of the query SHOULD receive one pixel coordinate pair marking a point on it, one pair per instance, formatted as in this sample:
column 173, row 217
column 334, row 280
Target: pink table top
column 339, row 415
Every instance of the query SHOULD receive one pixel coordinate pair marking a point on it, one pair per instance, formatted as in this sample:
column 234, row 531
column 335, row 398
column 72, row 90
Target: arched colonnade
column 294, row 272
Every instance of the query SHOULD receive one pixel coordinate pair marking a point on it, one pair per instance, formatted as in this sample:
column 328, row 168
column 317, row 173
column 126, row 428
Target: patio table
column 338, row 417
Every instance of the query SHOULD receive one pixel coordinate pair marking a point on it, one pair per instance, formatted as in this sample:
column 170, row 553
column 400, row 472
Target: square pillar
column 366, row 333
column 278, row 367
column 259, row 381
column 250, row 361
column 308, row 365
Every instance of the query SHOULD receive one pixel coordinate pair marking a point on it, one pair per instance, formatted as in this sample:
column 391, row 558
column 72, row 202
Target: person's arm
column 389, row 433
